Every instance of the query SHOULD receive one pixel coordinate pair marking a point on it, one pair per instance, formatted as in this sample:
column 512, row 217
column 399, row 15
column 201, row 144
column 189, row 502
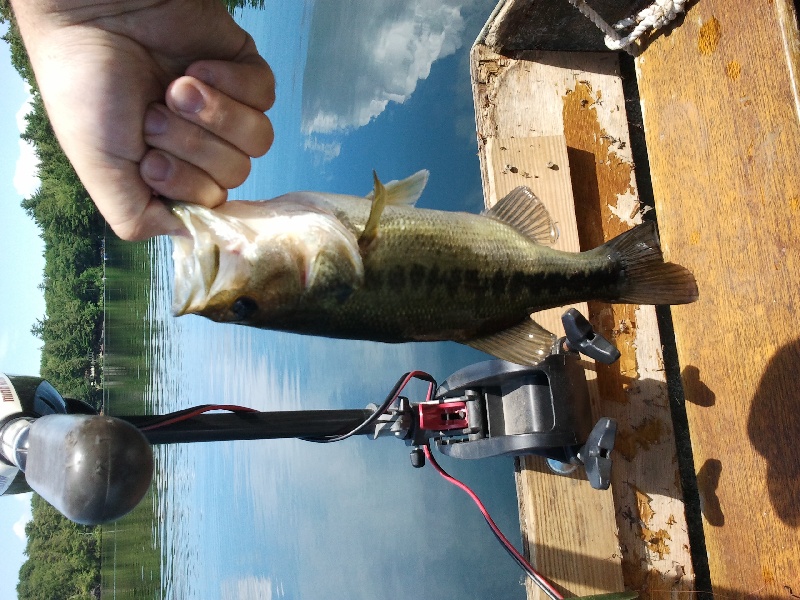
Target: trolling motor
column 95, row 468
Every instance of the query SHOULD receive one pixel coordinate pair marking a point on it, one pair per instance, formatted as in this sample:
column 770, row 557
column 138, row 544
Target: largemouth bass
column 377, row 268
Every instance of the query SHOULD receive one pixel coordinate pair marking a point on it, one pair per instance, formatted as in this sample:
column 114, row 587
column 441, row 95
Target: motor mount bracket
column 514, row 410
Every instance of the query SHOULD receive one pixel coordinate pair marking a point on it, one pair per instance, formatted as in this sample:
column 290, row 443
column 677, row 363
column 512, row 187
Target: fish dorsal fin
column 379, row 196
column 405, row 192
column 525, row 212
column 526, row 343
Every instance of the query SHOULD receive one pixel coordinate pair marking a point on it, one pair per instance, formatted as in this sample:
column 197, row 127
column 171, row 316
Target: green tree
column 63, row 557
column 73, row 232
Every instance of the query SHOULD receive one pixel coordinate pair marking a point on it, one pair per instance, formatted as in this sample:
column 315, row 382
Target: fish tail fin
column 647, row 278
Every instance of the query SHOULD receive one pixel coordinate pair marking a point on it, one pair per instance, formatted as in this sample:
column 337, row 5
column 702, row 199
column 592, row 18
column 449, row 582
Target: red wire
column 197, row 411
column 537, row 577
column 422, row 375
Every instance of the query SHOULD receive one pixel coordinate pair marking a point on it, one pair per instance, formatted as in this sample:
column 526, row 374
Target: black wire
column 535, row 576
column 531, row 575
column 401, row 383
column 368, row 421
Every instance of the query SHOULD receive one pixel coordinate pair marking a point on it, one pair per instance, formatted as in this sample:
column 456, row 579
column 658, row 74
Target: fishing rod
column 95, row 468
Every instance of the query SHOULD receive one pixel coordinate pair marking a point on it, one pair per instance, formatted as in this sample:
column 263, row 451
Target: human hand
column 149, row 98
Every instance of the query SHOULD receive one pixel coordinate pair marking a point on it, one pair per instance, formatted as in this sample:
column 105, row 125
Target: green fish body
column 377, row 268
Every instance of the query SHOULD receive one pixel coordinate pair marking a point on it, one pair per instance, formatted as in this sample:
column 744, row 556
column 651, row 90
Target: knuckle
column 262, row 139
column 126, row 233
column 239, row 174
column 194, row 142
column 130, row 230
column 268, row 95
column 212, row 195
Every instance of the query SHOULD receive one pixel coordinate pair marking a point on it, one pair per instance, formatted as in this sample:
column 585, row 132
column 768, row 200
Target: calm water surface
column 286, row 518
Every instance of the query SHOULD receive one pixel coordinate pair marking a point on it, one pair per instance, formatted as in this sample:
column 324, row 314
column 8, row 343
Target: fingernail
column 156, row 167
column 187, row 98
column 155, row 121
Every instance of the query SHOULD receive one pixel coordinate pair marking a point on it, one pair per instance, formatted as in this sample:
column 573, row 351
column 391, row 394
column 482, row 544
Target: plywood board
column 720, row 100
column 589, row 541
column 541, row 164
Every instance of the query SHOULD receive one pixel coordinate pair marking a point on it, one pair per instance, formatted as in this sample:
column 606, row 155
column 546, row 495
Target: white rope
column 653, row 17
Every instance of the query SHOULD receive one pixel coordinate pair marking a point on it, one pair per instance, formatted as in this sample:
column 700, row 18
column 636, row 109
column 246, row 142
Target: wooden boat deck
column 720, row 125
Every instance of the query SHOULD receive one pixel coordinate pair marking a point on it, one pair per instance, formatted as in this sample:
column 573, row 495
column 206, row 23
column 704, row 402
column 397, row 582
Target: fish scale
column 377, row 268
column 461, row 302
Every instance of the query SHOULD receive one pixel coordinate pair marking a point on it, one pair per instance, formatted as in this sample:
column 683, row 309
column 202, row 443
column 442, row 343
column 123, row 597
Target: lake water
column 360, row 86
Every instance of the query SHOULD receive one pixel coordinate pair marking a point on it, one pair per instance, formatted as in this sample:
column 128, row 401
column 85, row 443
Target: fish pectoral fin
column 523, row 211
column 378, row 203
column 330, row 279
column 526, row 343
column 405, row 192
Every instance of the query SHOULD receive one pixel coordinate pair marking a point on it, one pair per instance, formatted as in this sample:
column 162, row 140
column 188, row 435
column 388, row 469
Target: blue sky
column 333, row 126
column 21, row 302
column 350, row 113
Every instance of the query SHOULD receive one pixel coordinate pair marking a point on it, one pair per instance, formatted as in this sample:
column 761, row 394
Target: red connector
column 443, row 416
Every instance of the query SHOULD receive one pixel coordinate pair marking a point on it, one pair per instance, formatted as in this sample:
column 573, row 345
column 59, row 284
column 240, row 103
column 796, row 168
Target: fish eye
column 244, row 307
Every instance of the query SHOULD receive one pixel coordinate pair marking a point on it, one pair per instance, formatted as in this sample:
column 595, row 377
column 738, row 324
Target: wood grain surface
column 573, row 515
column 589, row 541
column 720, row 100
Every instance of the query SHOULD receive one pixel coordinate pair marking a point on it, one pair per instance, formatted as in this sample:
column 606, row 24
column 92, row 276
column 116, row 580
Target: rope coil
column 653, row 17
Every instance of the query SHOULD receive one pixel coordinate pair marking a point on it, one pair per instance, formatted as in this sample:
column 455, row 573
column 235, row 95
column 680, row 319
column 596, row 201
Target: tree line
column 63, row 559
column 72, row 231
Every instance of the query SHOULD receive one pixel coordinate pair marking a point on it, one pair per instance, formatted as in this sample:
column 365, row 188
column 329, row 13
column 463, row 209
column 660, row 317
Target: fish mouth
column 189, row 291
column 201, row 257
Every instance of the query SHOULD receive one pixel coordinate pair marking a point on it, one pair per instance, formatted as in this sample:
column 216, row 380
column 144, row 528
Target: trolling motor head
column 91, row 468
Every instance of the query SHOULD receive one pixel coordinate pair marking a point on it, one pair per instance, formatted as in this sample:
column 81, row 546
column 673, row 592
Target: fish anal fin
column 526, row 343
column 405, row 192
column 522, row 210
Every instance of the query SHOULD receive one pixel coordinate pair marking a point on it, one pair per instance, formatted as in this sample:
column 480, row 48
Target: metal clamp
column 581, row 337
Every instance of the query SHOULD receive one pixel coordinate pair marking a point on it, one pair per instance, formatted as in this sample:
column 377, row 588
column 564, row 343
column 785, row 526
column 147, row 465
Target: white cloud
column 23, row 111
column 363, row 57
column 19, row 525
column 26, row 181
column 249, row 588
column 326, row 151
